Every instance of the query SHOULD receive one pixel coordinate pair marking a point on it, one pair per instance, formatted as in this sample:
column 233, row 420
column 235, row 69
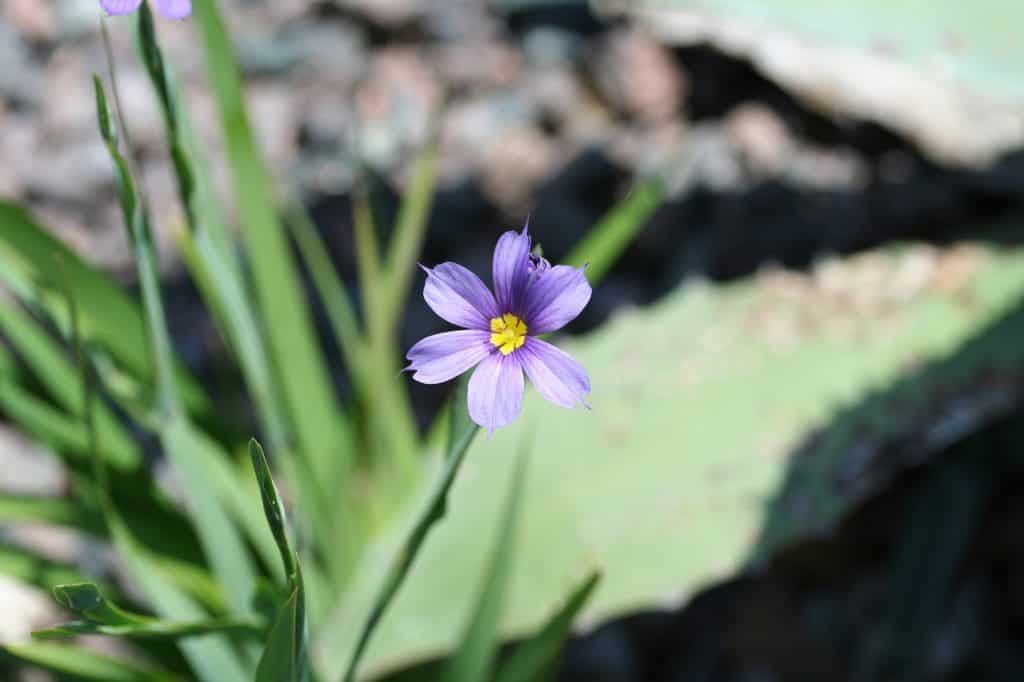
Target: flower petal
column 115, row 7
column 555, row 374
column 496, row 391
column 459, row 296
column 444, row 356
column 511, row 269
column 554, row 299
column 174, row 9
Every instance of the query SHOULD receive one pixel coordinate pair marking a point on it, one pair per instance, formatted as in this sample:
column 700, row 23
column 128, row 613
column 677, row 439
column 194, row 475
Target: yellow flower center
column 509, row 333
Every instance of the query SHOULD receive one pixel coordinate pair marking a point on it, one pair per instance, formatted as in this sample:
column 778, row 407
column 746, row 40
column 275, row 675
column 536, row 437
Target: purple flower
column 500, row 335
column 172, row 9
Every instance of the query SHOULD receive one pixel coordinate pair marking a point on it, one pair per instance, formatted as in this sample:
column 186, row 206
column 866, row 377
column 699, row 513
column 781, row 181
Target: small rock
column 20, row 75
column 639, row 76
column 514, row 164
column 478, row 64
column 760, row 136
column 33, row 19
column 396, row 104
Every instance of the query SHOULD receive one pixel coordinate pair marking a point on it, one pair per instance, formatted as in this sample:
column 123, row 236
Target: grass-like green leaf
column 222, row 544
column 84, row 664
column 407, row 240
column 330, row 287
column 53, row 368
column 47, row 510
column 605, row 243
column 207, row 248
column 319, row 426
column 101, row 617
column 473, row 660
column 110, row 318
column 535, row 659
column 29, row 567
column 461, row 435
column 284, row 656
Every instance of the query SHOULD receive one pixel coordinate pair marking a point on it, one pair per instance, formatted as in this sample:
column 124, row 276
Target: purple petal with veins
column 444, row 356
column 116, row 7
column 496, row 391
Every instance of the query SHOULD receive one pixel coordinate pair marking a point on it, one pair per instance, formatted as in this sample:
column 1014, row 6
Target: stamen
column 509, row 333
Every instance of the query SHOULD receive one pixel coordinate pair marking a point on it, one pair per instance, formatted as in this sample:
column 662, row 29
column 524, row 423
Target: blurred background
column 805, row 454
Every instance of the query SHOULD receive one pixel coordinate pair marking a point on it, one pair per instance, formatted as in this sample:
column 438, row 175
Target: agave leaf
column 699, row 403
column 855, row 58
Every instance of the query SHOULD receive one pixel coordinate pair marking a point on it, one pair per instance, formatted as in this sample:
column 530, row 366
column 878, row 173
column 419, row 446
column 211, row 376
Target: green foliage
column 535, row 659
column 707, row 393
column 284, row 655
column 101, row 617
column 608, row 239
column 82, row 664
column 473, row 659
column 461, row 434
column 730, row 377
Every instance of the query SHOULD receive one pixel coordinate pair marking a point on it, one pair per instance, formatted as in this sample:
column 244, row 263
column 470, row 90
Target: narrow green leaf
column 101, row 617
column 330, row 287
column 283, row 655
column 607, row 240
column 84, row 664
column 28, row 567
column 47, row 424
column 207, row 247
column 222, row 544
column 55, row 371
column 47, row 510
column 320, row 428
column 461, row 435
column 474, row 659
column 410, row 230
column 111, row 319
column 273, row 508
column 536, row 658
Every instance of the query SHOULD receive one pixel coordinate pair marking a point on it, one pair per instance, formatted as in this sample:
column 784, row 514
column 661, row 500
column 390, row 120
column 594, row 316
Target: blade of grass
column 330, row 287
column 102, row 617
column 83, row 664
column 47, row 510
column 221, row 542
column 407, row 242
column 320, row 428
column 27, row 566
column 536, row 658
column 50, row 365
column 460, row 436
column 473, row 661
column 606, row 241
column 284, row 656
column 213, row 260
column 111, row 318
column 211, row 657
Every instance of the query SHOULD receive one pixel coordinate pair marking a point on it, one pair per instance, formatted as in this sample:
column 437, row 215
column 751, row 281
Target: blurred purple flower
column 500, row 331
column 172, row 9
